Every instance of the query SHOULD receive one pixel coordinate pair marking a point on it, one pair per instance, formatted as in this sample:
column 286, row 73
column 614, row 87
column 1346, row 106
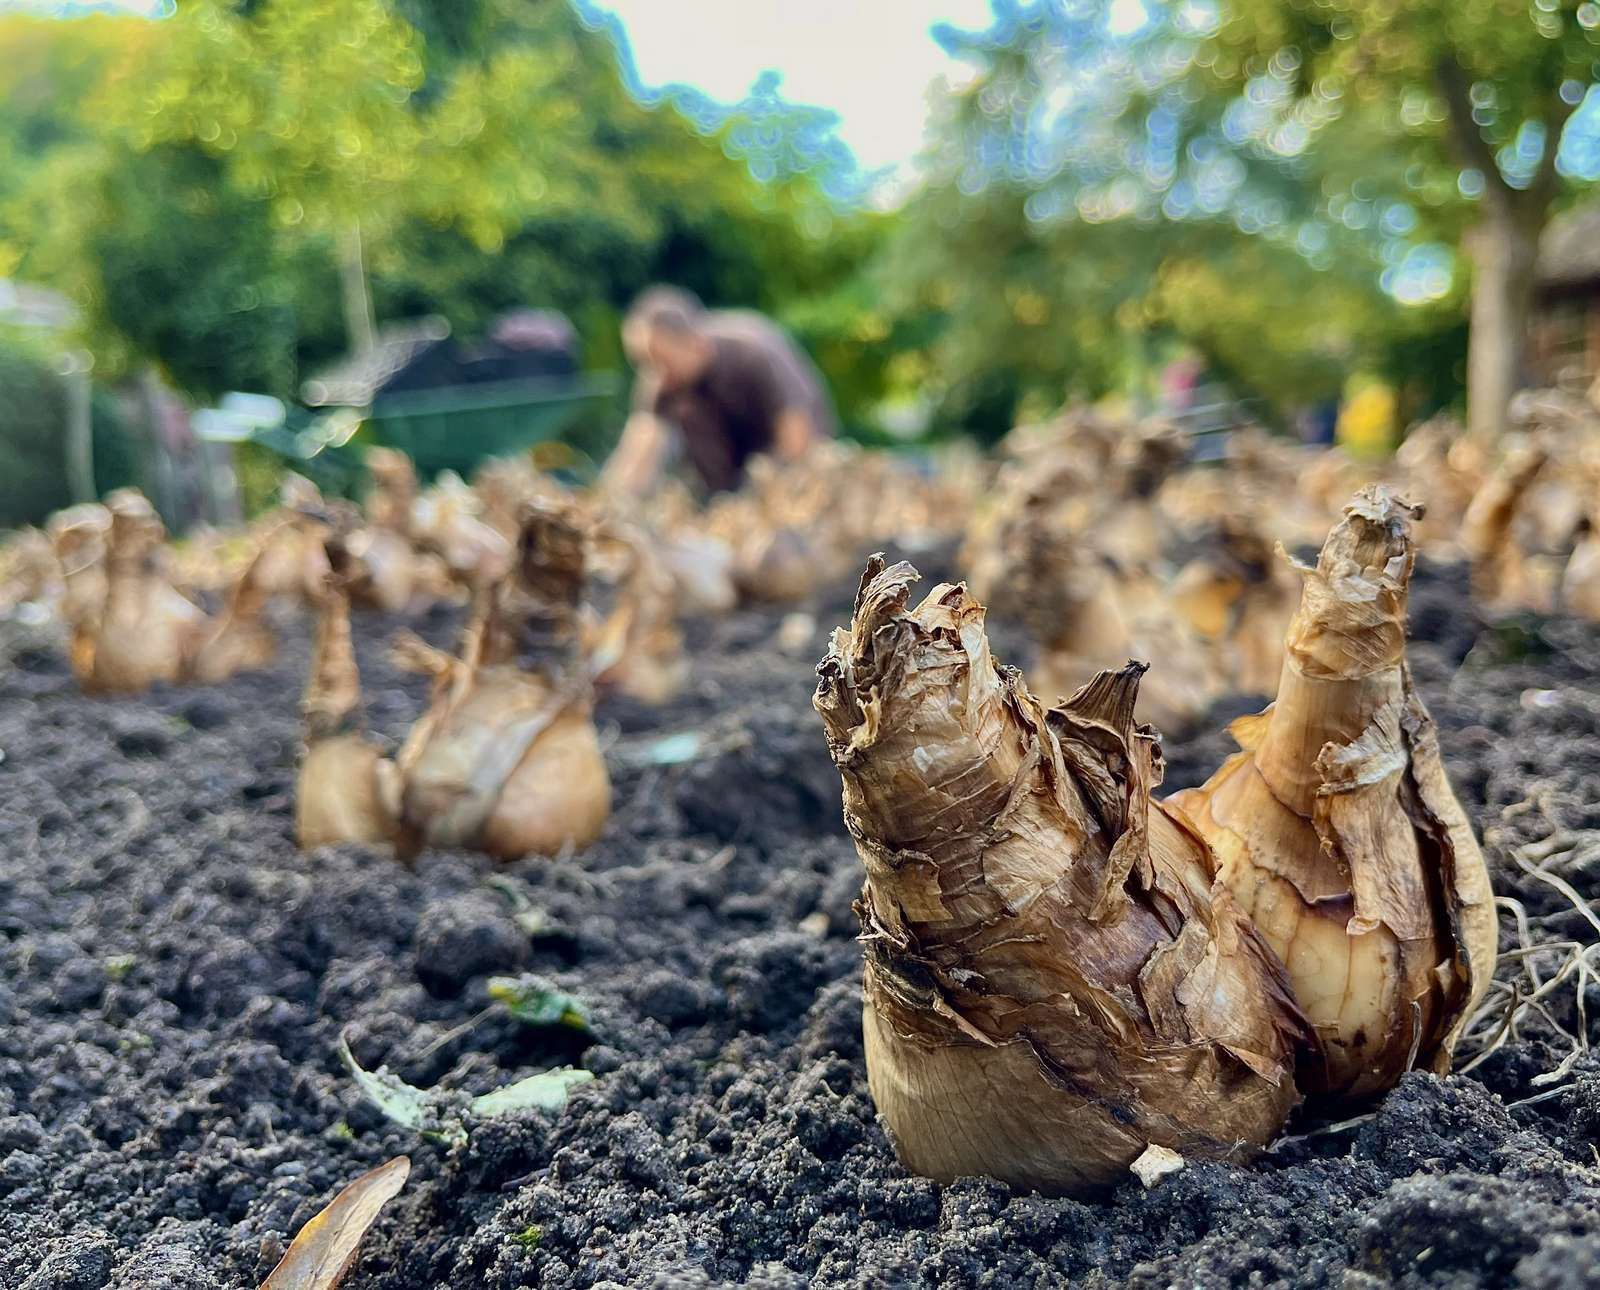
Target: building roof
column 1569, row 251
column 354, row 380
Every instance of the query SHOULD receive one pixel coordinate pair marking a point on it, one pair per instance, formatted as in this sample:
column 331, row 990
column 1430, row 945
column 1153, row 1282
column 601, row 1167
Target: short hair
column 669, row 308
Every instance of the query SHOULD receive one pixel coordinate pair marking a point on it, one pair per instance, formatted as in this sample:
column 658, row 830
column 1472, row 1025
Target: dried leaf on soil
column 325, row 1249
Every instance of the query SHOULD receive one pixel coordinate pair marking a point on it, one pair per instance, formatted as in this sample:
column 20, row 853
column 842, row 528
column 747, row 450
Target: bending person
column 729, row 384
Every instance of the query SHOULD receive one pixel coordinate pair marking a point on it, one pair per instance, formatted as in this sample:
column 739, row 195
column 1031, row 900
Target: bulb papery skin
column 339, row 794
column 239, row 640
column 345, row 787
column 637, row 649
column 1580, row 582
column 145, row 631
column 1051, row 982
column 506, row 759
column 79, row 537
column 1503, row 576
column 1337, row 831
column 508, row 764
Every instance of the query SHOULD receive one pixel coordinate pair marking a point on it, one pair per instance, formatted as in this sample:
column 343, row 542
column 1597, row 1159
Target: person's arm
column 794, row 433
column 635, row 465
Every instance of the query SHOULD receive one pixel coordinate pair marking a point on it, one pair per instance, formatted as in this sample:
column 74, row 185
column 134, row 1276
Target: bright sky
column 871, row 61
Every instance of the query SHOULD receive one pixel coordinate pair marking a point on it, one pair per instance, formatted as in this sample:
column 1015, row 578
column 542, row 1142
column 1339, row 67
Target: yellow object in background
column 1366, row 425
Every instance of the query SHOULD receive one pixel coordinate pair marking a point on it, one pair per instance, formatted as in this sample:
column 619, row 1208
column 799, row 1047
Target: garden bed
column 175, row 976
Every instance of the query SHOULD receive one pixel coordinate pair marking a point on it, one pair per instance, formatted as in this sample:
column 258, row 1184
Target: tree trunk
column 358, row 324
column 1503, row 249
column 80, row 428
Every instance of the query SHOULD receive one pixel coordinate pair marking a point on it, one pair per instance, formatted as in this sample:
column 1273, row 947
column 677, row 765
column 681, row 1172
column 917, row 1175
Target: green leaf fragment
column 524, row 913
column 535, row 1002
column 546, row 1091
column 529, row 1237
column 401, row 1102
column 673, row 750
column 443, row 1116
column 119, row 965
column 513, row 892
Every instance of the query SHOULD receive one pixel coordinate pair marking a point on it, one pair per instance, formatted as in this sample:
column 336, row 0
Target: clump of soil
column 174, row 978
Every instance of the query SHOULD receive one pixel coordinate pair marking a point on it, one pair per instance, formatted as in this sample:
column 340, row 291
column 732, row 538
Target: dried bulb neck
column 1239, row 549
column 518, row 629
column 917, row 723
column 334, row 691
column 1486, row 527
column 78, row 560
column 394, row 480
column 135, row 545
column 1063, row 592
column 1352, row 617
column 247, row 598
column 944, row 756
column 1345, row 649
column 1086, row 622
column 552, row 555
column 126, row 565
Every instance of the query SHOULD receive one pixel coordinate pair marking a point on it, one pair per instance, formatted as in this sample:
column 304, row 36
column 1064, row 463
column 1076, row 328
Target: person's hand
column 793, row 434
column 636, row 462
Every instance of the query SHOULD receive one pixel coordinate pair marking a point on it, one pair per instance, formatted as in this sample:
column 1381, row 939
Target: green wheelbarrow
column 456, row 427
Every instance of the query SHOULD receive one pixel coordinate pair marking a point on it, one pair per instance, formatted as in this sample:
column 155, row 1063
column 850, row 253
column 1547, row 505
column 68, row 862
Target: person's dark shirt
column 731, row 412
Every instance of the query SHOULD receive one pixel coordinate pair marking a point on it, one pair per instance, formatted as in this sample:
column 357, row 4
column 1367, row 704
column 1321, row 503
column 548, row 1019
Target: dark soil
column 174, row 977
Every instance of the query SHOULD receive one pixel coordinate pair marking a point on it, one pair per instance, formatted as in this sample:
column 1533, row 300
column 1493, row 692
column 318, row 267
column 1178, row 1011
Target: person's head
column 663, row 332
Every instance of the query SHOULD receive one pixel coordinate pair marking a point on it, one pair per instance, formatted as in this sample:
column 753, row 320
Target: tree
column 51, row 67
column 305, row 105
column 193, row 185
column 33, row 416
column 168, row 262
column 1480, row 89
column 1092, row 203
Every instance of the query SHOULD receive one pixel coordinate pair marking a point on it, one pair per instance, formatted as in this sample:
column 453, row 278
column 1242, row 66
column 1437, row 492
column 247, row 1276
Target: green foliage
column 119, row 965
column 258, row 472
column 1450, row 113
column 33, row 427
column 1098, row 201
column 307, row 104
column 51, row 67
column 188, row 182
column 1518, row 58
column 1010, row 313
column 1453, row 108
column 169, row 263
